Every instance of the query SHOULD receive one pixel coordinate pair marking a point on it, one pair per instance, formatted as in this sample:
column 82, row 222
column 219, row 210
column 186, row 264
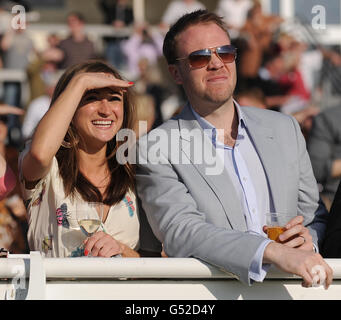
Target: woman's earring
column 66, row 144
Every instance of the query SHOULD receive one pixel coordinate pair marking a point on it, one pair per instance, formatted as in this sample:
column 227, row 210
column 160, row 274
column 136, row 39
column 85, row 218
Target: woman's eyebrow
column 110, row 91
column 113, row 91
column 92, row 91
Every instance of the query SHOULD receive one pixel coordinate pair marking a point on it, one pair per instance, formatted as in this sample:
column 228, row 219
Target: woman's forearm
column 51, row 131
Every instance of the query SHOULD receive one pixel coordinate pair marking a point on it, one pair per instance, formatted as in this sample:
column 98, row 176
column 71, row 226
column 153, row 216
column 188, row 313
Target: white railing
column 35, row 277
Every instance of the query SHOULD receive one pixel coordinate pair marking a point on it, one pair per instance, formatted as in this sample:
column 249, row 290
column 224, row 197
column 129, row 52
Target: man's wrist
column 271, row 252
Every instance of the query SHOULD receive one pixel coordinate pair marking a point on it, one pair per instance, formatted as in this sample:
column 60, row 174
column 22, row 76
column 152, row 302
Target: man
column 324, row 148
column 76, row 47
column 217, row 214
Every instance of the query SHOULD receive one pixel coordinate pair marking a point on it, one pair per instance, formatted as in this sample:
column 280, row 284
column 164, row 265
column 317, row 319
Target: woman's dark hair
column 186, row 21
column 121, row 176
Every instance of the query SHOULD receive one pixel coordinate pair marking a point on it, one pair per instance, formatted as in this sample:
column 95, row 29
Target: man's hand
column 296, row 235
column 299, row 262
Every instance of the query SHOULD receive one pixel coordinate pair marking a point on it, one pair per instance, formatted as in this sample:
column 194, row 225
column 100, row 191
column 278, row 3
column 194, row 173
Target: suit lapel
column 220, row 183
column 267, row 147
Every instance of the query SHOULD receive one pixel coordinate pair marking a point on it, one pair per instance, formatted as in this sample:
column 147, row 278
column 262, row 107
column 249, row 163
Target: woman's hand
column 96, row 80
column 102, row 244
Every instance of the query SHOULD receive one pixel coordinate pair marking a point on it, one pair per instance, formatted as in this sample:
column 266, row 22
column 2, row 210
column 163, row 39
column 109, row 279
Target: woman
column 7, row 176
column 71, row 160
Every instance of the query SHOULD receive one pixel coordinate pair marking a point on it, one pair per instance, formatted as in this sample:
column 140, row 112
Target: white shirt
column 135, row 49
column 35, row 111
column 234, row 12
column 178, row 8
column 310, row 65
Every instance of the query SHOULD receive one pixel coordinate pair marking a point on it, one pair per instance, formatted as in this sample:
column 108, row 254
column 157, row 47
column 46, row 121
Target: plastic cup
column 276, row 223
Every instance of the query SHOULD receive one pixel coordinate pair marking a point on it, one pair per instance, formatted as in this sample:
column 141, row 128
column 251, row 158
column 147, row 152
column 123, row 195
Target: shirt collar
column 211, row 130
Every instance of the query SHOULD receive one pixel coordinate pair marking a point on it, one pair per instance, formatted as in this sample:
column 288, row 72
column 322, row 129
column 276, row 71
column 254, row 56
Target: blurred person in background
column 298, row 95
column 299, row 56
column 273, row 66
column 13, row 223
column 18, row 50
column 39, row 106
column 234, row 13
column 119, row 14
column 145, row 112
column 257, row 34
column 5, row 18
column 145, row 43
column 252, row 96
column 7, row 177
column 175, row 9
column 283, row 88
column 150, row 82
column 76, row 47
column 307, row 61
column 324, row 147
column 42, row 74
column 43, row 67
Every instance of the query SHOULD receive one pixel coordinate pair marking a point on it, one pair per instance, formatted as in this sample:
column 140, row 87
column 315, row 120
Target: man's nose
column 215, row 62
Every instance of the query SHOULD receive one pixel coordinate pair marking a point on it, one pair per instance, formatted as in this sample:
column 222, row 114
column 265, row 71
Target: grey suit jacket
column 197, row 214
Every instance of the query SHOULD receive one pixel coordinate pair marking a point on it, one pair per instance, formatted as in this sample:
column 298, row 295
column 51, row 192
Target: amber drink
column 276, row 223
column 274, row 232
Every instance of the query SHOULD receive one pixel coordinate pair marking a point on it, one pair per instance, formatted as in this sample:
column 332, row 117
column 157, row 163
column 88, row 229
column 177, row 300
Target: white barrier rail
column 34, row 277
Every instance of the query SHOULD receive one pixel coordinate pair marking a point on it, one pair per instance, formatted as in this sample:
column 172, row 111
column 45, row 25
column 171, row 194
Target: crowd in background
column 276, row 71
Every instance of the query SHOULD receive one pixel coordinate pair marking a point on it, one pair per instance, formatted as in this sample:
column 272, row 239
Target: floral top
column 53, row 228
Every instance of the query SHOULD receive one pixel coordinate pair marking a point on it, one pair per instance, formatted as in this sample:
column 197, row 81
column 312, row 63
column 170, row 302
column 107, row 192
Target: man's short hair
column 186, row 21
column 76, row 14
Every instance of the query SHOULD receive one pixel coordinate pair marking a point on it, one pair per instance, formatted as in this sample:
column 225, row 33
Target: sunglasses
column 201, row 58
